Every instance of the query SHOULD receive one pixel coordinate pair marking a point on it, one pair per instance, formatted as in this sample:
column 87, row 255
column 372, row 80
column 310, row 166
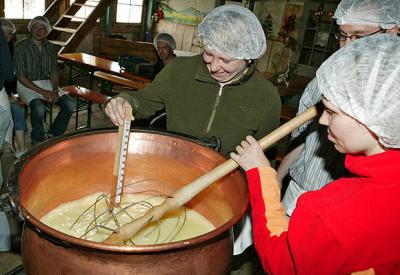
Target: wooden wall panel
column 187, row 39
column 275, row 56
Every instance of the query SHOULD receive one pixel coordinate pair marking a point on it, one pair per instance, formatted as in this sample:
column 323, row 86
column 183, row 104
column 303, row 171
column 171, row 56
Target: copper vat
column 73, row 166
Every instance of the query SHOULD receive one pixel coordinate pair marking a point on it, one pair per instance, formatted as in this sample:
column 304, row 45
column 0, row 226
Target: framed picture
column 189, row 12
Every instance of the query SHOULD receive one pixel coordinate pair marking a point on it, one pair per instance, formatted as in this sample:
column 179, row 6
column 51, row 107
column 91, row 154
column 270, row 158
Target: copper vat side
column 75, row 166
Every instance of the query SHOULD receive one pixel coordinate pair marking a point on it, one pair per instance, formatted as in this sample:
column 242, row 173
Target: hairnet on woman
column 235, row 31
column 368, row 89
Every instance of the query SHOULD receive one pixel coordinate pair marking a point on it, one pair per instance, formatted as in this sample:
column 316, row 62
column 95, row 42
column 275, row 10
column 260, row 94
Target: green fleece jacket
column 198, row 106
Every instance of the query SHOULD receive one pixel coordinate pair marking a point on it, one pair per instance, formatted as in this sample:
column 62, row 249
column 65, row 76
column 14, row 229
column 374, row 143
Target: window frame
column 114, row 15
column 3, row 5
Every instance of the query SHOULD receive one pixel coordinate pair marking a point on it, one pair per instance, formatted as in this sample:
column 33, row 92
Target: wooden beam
column 2, row 9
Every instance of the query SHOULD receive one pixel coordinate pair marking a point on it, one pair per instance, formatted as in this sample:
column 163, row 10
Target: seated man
column 38, row 81
column 165, row 45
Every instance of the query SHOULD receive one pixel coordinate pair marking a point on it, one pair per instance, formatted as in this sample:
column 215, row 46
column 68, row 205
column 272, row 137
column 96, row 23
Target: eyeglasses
column 343, row 37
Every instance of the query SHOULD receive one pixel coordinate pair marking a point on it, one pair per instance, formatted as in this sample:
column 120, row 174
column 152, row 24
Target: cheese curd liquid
column 180, row 224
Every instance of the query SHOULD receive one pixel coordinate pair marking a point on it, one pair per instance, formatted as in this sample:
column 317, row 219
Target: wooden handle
column 190, row 190
column 187, row 192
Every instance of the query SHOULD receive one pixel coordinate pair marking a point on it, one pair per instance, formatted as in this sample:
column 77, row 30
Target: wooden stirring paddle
column 186, row 193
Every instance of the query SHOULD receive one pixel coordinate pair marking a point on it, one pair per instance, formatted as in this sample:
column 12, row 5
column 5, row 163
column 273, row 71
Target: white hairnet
column 165, row 37
column 363, row 80
column 383, row 13
column 42, row 20
column 7, row 25
column 234, row 31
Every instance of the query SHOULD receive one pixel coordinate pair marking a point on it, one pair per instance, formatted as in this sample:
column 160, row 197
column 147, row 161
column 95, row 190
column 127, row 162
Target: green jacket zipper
column 216, row 103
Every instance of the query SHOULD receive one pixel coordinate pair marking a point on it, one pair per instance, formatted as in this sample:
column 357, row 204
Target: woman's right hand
column 250, row 154
column 115, row 110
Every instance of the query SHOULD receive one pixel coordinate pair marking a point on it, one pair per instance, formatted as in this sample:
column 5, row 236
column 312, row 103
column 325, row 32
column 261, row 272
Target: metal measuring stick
column 121, row 153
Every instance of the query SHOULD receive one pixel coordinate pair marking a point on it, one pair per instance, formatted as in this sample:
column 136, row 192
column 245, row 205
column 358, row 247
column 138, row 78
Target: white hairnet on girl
column 363, row 80
column 42, row 20
column 7, row 25
column 234, row 31
column 383, row 13
column 165, row 37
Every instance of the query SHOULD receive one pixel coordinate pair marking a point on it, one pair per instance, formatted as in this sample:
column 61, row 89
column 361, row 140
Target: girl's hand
column 250, row 154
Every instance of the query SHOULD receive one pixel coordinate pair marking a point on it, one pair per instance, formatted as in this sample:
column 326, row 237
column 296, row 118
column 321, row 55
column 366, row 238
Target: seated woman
column 351, row 224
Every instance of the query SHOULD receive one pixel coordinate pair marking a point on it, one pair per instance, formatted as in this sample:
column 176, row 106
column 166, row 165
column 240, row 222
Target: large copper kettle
column 70, row 167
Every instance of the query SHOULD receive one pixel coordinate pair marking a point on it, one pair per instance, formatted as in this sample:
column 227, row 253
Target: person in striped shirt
column 349, row 226
column 314, row 162
column 35, row 60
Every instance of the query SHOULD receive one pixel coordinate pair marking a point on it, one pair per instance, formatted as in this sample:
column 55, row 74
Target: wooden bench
column 89, row 97
column 112, row 48
column 119, row 80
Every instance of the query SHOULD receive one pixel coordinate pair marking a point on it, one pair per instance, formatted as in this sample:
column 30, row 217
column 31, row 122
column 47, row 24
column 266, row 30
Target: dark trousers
column 58, row 127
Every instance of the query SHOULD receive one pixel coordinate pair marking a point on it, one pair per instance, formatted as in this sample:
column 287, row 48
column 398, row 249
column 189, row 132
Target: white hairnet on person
column 7, row 25
column 363, row 80
column 383, row 13
column 234, row 31
column 42, row 20
column 165, row 37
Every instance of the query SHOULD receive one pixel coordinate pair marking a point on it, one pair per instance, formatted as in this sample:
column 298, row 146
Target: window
column 23, row 9
column 129, row 11
column 85, row 10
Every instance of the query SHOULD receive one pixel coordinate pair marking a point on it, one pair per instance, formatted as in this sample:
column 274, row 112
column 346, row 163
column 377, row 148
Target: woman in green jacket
column 218, row 93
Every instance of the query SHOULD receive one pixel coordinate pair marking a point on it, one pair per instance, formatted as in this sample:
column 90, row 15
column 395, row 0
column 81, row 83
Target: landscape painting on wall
column 189, row 12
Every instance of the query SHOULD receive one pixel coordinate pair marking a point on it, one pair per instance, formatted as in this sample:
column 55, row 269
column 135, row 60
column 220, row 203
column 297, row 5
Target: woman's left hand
column 250, row 154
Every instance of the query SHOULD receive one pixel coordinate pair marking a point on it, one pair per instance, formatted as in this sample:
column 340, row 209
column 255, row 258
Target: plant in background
column 159, row 14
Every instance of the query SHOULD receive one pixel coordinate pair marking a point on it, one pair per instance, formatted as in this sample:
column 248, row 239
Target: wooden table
column 119, row 80
column 93, row 63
